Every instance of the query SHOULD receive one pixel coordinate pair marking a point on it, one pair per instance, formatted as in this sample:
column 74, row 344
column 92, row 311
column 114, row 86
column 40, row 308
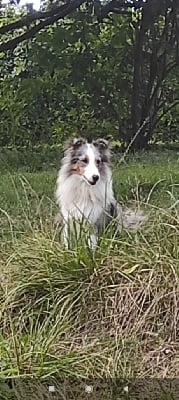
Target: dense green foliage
column 82, row 77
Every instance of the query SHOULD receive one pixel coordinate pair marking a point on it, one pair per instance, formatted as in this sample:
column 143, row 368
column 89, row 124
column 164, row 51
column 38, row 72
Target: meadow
column 74, row 315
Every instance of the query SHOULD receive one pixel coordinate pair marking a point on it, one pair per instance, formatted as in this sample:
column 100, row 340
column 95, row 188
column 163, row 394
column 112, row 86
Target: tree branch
column 29, row 34
column 113, row 6
column 46, row 18
column 32, row 17
column 170, row 67
column 165, row 111
column 116, row 6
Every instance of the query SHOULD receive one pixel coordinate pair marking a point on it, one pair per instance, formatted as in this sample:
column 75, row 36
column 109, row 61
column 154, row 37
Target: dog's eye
column 74, row 160
column 84, row 160
column 98, row 161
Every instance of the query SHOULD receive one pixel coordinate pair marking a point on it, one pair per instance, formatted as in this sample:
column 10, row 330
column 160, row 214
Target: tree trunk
column 154, row 49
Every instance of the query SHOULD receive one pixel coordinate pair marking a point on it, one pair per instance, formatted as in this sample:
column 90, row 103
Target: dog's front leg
column 92, row 241
column 65, row 234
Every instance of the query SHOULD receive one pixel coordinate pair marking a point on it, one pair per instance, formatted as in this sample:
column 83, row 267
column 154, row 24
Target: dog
column 84, row 192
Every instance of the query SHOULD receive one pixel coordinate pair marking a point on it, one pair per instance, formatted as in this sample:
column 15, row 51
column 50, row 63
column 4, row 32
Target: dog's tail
column 129, row 219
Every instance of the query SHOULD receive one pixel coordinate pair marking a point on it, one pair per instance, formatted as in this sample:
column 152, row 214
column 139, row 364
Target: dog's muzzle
column 93, row 179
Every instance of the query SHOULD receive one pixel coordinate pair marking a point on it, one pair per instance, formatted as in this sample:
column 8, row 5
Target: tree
column 36, row 21
column 126, row 76
column 156, row 56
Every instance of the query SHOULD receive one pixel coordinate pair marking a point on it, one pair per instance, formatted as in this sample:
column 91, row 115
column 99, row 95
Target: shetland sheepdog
column 84, row 192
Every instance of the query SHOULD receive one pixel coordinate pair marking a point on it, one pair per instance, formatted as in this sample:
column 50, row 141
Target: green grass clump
column 65, row 307
column 74, row 314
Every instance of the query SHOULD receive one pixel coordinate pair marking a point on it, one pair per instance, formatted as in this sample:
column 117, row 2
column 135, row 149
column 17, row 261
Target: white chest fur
column 79, row 200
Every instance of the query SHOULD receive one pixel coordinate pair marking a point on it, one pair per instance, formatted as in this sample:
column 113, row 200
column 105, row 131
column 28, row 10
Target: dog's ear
column 102, row 144
column 104, row 149
column 74, row 143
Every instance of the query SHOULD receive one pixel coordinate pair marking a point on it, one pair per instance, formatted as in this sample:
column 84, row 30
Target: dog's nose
column 95, row 178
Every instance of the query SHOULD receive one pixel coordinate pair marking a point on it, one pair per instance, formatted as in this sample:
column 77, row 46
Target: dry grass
column 112, row 314
column 71, row 315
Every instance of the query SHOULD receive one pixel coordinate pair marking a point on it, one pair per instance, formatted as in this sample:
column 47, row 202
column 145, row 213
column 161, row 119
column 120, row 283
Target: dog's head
column 88, row 160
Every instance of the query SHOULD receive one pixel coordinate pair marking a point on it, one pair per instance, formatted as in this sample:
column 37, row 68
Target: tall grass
column 73, row 314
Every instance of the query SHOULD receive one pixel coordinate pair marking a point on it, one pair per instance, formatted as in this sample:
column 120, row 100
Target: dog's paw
column 58, row 220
